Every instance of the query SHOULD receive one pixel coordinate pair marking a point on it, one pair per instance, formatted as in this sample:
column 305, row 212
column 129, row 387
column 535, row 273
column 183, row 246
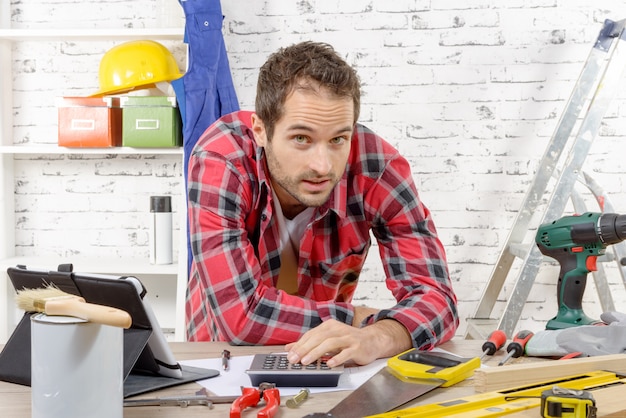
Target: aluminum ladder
column 592, row 94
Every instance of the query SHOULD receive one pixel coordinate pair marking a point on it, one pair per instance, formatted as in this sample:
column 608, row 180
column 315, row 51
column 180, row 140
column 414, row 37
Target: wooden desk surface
column 15, row 399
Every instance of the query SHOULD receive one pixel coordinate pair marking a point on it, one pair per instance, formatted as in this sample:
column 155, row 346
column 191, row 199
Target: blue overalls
column 206, row 91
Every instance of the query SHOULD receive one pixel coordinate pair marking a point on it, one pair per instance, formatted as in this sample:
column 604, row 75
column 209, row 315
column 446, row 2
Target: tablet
column 149, row 363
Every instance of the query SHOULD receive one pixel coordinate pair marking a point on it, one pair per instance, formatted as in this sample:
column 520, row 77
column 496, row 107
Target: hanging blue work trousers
column 206, row 91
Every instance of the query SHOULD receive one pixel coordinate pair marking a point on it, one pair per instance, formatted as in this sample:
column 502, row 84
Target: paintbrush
column 53, row 301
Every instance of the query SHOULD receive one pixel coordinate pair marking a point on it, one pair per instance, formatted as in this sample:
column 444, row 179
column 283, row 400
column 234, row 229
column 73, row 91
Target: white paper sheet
column 229, row 382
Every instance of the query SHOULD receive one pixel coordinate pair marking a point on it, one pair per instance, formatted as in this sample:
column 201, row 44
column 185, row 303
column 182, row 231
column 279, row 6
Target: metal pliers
column 252, row 396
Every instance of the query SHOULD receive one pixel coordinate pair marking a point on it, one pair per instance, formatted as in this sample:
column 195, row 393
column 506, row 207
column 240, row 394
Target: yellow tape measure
column 560, row 402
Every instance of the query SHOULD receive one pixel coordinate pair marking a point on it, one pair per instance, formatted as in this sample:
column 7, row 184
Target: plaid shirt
column 235, row 242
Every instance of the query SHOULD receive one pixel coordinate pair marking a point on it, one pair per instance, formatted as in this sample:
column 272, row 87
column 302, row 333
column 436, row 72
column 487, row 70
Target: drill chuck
column 610, row 228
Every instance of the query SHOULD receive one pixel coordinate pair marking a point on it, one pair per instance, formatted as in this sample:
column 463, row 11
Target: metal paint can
column 76, row 368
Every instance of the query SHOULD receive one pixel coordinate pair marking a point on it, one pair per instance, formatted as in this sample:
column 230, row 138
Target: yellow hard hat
column 135, row 64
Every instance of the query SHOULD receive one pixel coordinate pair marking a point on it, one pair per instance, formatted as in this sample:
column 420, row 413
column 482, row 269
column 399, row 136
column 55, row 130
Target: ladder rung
column 519, row 250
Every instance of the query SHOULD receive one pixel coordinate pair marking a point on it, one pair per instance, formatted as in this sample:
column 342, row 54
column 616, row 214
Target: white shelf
column 108, row 265
column 160, row 282
column 52, row 149
column 165, row 283
column 91, row 34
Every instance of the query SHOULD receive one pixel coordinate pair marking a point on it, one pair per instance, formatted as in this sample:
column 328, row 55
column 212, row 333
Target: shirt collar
column 337, row 200
column 262, row 177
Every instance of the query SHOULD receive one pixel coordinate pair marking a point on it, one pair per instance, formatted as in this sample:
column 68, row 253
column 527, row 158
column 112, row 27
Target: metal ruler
column 503, row 402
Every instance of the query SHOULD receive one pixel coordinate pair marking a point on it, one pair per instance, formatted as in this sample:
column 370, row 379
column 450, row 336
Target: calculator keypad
column 275, row 368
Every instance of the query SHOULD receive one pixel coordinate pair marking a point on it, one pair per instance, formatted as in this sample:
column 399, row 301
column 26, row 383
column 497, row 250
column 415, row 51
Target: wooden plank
column 609, row 401
column 497, row 378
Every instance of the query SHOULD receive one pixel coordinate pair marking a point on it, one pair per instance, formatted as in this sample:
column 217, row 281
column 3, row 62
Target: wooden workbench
column 15, row 399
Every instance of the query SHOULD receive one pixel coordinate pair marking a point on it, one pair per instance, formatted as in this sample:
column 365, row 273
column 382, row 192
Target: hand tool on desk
column 53, row 301
column 201, row 397
column 576, row 242
column 225, row 359
column 298, row 399
column 182, row 401
column 517, row 346
column 495, row 341
column 252, row 396
column 559, row 402
column 406, row 376
column 507, row 401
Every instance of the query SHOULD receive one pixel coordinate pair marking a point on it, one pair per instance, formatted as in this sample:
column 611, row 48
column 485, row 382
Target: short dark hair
column 313, row 63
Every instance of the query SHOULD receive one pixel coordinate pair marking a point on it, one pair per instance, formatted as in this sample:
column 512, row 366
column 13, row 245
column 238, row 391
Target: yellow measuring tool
column 499, row 403
column 407, row 376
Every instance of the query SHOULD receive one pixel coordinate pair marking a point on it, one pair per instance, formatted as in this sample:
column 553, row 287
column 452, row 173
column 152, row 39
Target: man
column 281, row 206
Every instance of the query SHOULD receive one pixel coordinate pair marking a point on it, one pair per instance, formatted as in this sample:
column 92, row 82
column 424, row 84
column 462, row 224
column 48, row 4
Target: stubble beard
column 290, row 184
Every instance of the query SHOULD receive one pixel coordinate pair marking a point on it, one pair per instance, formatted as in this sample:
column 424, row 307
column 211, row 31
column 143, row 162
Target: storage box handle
column 83, row 125
column 147, row 124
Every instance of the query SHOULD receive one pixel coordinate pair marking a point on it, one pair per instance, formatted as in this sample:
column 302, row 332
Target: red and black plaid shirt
column 235, row 243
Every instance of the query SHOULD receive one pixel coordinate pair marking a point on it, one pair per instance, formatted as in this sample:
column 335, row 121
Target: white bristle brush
column 53, row 301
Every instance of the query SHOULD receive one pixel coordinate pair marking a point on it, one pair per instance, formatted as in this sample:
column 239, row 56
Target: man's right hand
column 361, row 345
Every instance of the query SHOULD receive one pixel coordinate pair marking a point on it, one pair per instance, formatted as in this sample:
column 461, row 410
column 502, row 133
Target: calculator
column 275, row 368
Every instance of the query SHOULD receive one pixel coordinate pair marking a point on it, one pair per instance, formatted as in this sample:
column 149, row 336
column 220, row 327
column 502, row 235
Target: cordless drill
column 576, row 242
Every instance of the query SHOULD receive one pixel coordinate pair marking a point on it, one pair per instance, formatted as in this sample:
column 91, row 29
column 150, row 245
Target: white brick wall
column 470, row 92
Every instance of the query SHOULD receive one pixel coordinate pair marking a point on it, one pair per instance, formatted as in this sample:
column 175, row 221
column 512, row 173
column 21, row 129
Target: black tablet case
column 140, row 366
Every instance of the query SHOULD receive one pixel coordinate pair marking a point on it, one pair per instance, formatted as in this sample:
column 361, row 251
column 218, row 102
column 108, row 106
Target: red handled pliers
column 252, row 396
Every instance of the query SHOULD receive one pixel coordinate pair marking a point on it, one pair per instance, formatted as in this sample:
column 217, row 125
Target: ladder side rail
column 586, row 134
column 519, row 295
column 582, row 90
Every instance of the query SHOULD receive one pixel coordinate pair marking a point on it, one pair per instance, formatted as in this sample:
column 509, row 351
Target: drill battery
column 561, row 402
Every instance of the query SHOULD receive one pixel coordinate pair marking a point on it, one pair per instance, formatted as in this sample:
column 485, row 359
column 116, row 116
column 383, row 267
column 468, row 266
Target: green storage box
column 150, row 122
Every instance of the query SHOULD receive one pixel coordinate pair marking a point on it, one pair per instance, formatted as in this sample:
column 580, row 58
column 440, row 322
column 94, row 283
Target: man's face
column 308, row 153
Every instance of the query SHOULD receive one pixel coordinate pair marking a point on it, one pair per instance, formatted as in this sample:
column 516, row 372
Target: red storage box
column 90, row 122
